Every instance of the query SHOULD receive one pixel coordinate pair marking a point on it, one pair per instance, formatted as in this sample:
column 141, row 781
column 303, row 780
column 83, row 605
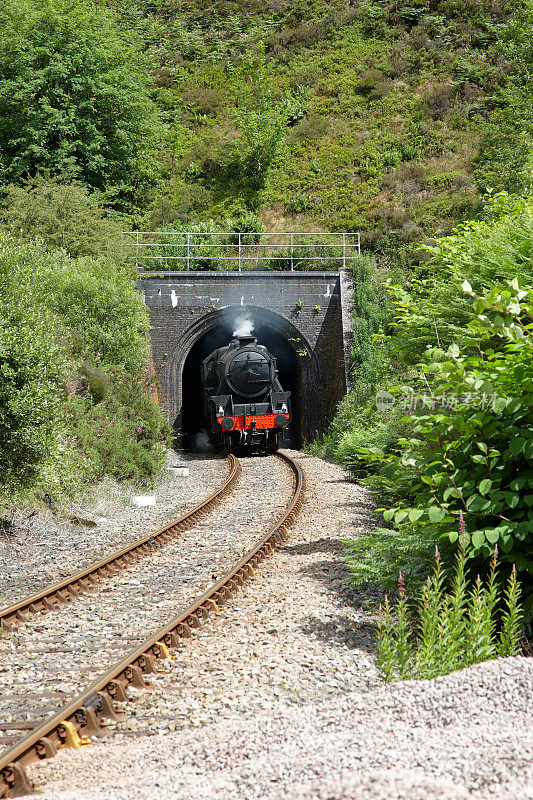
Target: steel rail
column 81, row 716
column 53, row 596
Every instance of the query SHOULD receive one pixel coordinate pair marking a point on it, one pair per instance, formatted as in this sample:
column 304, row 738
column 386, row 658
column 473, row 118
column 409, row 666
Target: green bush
column 203, row 252
column 433, row 311
column 97, row 299
column 119, row 431
column 73, row 96
column 62, row 215
column 33, row 370
column 470, row 441
column 73, row 351
column 247, row 223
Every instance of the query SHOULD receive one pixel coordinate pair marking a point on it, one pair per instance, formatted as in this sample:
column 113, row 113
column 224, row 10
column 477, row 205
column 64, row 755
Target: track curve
column 82, row 716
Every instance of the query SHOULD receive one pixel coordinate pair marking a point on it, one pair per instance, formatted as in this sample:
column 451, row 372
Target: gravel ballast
column 466, row 735
column 60, row 652
column 280, row 698
column 44, row 549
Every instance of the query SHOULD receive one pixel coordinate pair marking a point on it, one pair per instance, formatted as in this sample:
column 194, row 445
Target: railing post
column 137, row 250
column 359, row 244
column 239, row 252
column 188, row 251
column 292, row 254
column 344, row 250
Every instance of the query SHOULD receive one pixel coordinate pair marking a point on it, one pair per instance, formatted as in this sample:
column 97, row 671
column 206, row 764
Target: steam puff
column 244, row 326
column 201, row 443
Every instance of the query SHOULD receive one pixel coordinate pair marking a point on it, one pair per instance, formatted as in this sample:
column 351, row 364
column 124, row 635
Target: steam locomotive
column 244, row 402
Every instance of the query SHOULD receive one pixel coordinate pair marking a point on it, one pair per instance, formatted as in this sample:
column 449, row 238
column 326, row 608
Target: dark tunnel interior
column 194, row 425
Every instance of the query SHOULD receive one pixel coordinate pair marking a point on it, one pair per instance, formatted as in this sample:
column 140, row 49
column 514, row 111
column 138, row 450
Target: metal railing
column 240, row 251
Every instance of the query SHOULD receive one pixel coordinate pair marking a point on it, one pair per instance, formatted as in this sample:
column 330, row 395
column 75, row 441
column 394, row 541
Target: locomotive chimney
column 244, row 340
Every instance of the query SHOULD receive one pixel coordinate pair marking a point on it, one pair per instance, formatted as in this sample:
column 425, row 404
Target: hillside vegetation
column 387, row 118
column 74, row 402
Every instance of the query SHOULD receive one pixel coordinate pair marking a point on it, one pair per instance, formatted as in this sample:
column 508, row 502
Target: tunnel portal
column 303, row 318
column 193, row 421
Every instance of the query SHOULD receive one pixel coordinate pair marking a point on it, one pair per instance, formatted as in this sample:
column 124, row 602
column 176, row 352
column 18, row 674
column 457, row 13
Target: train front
column 245, row 403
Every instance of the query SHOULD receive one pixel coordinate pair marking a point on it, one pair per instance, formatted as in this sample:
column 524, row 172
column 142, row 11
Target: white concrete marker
column 143, row 500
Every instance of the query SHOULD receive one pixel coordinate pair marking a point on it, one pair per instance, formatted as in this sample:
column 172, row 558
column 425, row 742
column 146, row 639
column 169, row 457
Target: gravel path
column 44, row 549
column 96, row 629
column 466, row 735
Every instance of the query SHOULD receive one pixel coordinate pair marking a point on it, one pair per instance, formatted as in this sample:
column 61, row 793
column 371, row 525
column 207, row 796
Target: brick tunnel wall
column 183, row 306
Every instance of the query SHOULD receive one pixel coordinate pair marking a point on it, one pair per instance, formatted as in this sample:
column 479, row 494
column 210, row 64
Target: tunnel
column 193, row 425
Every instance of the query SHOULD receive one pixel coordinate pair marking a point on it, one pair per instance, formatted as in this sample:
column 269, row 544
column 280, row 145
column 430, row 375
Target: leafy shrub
column 471, row 453
column 369, row 83
column 410, row 152
column 452, row 628
column 122, row 433
column 391, row 158
column 261, row 128
column 295, row 104
column 316, row 257
column 98, row 383
column 203, row 252
column 369, row 318
column 61, row 215
column 312, row 126
column 247, row 223
column 297, row 203
column 33, row 369
column 97, row 299
column 68, row 326
column 434, row 311
column 203, row 101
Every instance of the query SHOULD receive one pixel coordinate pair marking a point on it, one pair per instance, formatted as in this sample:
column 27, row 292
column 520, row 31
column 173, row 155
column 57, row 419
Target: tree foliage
column 432, row 311
column 63, row 215
column 73, row 96
column 470, row 443
column 33, row 371
column 73, row 373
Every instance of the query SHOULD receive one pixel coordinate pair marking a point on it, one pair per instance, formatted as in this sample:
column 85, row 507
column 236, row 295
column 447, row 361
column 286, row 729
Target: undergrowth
column 455, row 621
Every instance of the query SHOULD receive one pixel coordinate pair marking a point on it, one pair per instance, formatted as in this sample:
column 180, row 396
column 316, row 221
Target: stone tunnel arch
column 296, row 363
column 313, row 308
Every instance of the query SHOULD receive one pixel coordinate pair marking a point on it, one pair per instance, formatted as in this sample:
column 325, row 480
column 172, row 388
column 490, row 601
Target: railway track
column 54, row 596
column 85, row 715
